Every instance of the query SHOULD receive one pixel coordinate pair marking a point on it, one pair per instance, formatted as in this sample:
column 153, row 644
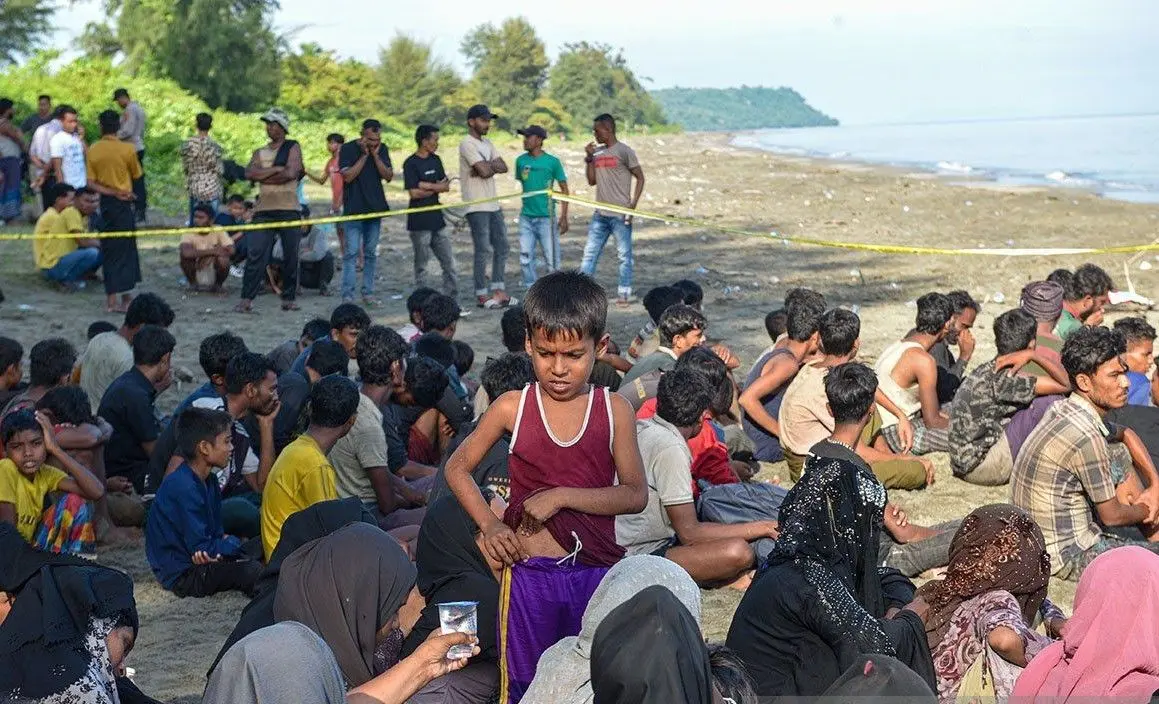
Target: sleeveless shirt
column 768, row 446
column 906, row 399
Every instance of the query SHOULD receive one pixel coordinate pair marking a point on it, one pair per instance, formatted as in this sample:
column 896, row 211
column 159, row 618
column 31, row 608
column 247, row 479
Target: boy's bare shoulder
column 621, row 407
column 507, row 404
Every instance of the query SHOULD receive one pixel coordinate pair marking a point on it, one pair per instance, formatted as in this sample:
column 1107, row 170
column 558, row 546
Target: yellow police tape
column 635, row 214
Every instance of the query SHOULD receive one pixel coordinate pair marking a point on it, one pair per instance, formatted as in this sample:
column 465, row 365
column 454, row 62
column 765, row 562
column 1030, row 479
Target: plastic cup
column 459, row 617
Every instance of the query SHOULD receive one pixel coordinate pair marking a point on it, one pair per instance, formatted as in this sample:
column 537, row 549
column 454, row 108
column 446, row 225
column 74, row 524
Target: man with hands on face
column 365, row 164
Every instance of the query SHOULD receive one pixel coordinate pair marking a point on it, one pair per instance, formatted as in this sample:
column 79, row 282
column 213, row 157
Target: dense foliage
column 744, row 108
column 24, row 24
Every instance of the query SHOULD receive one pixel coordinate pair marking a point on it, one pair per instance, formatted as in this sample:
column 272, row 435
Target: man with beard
column 952, row 370
column 1087, row 294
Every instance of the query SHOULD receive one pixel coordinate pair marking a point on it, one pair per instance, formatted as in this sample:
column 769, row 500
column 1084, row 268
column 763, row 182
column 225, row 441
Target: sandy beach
column 693, row 176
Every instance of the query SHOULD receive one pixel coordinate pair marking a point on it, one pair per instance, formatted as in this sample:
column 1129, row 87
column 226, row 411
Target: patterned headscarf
column 1043, row 300
column 997, row 547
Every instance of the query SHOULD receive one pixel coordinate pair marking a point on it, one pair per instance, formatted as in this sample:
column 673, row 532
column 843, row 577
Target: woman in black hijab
column 451, row 567
column 821, row 600
column 68, row 627
column 649, row 650
column 312, row 523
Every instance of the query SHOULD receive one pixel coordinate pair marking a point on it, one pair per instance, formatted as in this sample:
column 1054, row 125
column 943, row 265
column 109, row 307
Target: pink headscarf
column 1109, row 647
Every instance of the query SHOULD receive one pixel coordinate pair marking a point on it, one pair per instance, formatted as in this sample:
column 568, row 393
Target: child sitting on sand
column 26, row 481
column 656, row 301
column 205, row 256
column 184, row 539
column 574, row 466
column 1140, row 358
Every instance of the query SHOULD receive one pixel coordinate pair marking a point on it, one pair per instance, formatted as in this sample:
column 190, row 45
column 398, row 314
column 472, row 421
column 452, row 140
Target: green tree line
column 744, row 108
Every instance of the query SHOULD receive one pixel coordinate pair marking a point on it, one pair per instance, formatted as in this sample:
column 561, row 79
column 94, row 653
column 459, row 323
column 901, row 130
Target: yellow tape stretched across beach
column 641, row 214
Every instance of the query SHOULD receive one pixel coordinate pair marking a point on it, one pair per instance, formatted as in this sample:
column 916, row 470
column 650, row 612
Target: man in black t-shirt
column 365, row 164
column 425, row 179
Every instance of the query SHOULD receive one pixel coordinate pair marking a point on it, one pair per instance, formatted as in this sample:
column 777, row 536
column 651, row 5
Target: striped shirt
column 1062, row 471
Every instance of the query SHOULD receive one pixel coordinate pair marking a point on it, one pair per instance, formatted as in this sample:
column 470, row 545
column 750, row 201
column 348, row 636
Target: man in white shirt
column 40, row 173
column 133, row 131
column 68, row 150
column 479, row 161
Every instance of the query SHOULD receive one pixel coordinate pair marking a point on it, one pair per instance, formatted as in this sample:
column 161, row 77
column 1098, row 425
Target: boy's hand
column 540, row 508
column 905, row 434
column 726, row 356
column 1149, row 499
column 929, row 467
column 770, row 529
column 202, row 558
column 1014, row 361
column 502, row 544
column 50, row 443
column 118, row 485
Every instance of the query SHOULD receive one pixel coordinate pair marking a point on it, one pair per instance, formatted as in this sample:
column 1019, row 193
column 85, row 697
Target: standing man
column 40, row 172
column 201, row 161
column 424, row 178
column 133, row 131
column 277, row 167
column 112, row 168
column 42, row 116
column 478, row 163
column 538, row 170
column 611, row 165
column 365, row 164
column 67, row 149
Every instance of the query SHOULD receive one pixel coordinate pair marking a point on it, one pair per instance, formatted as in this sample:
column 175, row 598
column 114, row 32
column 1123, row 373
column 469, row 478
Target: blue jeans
column 601, row 228
column 533, row 231
column 74, row 265
column 360, row 235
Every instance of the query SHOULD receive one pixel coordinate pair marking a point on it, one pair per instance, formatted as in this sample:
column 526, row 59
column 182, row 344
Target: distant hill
column 744, row 108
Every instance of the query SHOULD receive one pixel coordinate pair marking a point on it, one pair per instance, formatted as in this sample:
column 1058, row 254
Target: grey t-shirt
column 362, row 448
column 668, row 473
column 613, row 174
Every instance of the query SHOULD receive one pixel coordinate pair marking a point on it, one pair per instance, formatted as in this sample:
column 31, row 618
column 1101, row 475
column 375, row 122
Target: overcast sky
column 862, row 61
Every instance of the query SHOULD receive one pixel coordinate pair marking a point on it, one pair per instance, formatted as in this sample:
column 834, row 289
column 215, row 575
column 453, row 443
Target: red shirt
column 710, row 460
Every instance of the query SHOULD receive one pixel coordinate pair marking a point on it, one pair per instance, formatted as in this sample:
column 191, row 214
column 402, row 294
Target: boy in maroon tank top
column 574, row 466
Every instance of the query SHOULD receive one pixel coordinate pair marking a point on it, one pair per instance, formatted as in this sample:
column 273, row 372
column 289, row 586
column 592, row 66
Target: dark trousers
column 139, row 189
column 317, row 274
column 260, row 245
column 231, row 574
column 49, row 182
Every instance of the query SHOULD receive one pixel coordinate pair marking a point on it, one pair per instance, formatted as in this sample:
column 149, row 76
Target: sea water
column 1114, row 156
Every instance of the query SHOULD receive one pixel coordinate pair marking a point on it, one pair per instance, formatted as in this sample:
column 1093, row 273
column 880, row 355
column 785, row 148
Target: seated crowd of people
column 571, row 493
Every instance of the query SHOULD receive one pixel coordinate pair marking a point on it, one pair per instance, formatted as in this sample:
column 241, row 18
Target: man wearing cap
column 1043, row 300
column 479, row 161
column 365, row 164
column 611, row 166
column 277, row 168
column 537, row 171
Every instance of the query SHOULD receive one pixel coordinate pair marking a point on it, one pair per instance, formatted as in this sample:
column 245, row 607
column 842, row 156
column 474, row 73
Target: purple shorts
column 540, row 603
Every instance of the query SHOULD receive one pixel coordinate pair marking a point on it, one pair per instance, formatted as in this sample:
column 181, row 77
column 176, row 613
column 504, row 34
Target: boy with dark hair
column 681, row 328
column 951, row 371
column 11, row 371
column 777, row 324
column 656, row 301
column 1140, row 358
column 97, row 327
column 1073, row 474
column 711, row 553
column 205, row 256
column 514, row 329
column 284, row 354
column 185, row 541
column 691, row 292
column 347, row 322
column 414, row 311
column 424, row 385
column 979, row 450
column 213, row 355
column 773, row 372
column 564, row 492
column 128, row 407
column 302, row 476
column 249, row 391
column 26, row 481
column 324, row 358
column 908, row 376
column 1088, row 291
column 50, row 364
column 804, row 419
column 424, row 179
column 110, row 354
column 440, row 314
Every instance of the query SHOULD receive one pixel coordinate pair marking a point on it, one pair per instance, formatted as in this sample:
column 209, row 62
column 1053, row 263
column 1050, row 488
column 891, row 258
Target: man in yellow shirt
column 64, row 259
column 302, row 476
column 112, row 168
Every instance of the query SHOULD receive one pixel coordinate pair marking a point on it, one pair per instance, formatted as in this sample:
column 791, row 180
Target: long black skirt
column 121, row 264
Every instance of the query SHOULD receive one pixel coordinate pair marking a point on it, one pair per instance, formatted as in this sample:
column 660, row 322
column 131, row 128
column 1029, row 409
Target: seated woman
column 562, row 676
column 665, row 663
column 821, row 601
column 452, row 566
column 982, row 613
column 349, row 588
column 288, row 662
column 318, row 521
column 1108, row 648
column 66, row 626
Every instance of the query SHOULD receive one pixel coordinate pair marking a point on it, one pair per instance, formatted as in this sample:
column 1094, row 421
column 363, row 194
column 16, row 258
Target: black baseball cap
column 372, row 124
column 532, row 131
column 482, row 111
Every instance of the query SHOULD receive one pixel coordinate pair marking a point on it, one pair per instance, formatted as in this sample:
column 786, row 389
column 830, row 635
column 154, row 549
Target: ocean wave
column 955, row 167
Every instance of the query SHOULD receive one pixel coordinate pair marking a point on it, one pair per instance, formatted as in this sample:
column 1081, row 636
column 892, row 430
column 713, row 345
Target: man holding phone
column 365, row 164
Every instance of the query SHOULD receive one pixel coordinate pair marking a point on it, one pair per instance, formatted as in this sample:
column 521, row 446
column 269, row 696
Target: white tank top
column 906, row 399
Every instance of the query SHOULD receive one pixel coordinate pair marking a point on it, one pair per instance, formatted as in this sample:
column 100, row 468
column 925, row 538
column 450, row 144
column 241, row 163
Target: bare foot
column 244, row 307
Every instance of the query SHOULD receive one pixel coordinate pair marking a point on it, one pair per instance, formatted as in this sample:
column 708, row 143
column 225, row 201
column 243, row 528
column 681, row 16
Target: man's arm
column 8, row 513
column 266, row 449
column 926, row 371
column 1057, row 383
column 498, row 166
column 256, row 172
column 483, row 169
column 563, row 224
column 385, row 172
column 1112, row 513
column 352, row 172
column 292, row 171
column 380, row 481
column 130, row 125
column 56, row 170
column 690, row 530
column 639, row 174
column 80, row 480
column 768, row 383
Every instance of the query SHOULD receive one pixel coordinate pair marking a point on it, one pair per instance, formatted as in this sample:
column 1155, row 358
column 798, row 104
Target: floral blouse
column 201, row 159
column 967, row 640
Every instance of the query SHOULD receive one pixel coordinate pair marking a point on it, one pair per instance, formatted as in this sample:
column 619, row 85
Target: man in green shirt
column 537, row 171
column 1087, row 294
